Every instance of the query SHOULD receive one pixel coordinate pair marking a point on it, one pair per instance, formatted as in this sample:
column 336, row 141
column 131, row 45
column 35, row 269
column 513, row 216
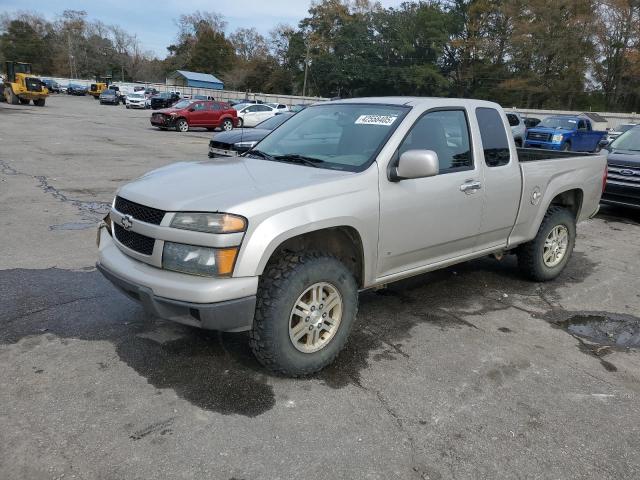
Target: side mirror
column 415, row 164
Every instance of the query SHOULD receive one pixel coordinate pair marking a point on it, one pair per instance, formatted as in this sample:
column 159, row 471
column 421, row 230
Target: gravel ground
column 469, row 372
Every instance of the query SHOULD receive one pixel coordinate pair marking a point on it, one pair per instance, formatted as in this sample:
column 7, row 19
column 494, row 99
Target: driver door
column 425, row 221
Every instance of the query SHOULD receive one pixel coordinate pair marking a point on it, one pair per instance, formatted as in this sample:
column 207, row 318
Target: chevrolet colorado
column 280, row 240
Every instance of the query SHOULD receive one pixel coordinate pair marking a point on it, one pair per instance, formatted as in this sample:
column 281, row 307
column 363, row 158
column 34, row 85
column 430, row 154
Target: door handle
column 470, row 186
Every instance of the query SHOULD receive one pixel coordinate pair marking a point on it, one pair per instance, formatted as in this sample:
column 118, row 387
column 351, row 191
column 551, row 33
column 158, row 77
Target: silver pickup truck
column 345, row 196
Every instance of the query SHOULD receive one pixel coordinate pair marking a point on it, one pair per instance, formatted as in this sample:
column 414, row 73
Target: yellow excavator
column 20, row 86
column 102, row 84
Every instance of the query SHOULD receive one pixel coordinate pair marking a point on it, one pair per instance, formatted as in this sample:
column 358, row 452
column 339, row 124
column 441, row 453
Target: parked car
column 518, row 129
column 203, row 97
column 623, row 179
column 565, row 132
column 251, row 115
column 137, row 100
column 75, row 89
column 280, row 107
column 298, row 107
column 280, row 240
column 231, row 144
column 110, row 97
column 163, row 100
column 52, row 86
column 619, row 130
column 196, row 113
column 531, row 122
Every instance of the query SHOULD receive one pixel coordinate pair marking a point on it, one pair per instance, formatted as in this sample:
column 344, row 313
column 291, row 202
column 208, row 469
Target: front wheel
column 240, row 122
column 40, row 102
column 544, row 258
column 566, row 147
column 182, row 125
column 227, row 125
column 306, row 306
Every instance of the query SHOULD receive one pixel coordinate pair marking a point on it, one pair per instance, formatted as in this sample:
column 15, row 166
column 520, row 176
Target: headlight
column 244, row 145
column 201, row 261
column 209, row 222
column 557, row 139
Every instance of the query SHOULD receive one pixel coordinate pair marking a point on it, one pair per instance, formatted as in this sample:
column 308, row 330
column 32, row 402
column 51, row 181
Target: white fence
column 613, row 119
column 221, row 95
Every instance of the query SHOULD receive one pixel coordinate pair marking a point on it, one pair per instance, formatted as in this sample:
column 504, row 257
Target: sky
column 154, row 22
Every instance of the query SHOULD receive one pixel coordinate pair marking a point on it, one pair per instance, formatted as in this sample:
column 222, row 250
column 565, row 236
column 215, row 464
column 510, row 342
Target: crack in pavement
column 95, row 210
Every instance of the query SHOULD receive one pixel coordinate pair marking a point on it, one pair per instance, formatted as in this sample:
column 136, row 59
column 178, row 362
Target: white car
column 252, row 114
column 619, row 130
column 137, row 100
column 518, row 128
column 280, row 107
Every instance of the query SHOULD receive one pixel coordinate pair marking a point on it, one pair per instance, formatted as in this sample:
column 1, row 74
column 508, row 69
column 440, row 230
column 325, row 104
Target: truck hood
column 241, row 185
column 626, row 158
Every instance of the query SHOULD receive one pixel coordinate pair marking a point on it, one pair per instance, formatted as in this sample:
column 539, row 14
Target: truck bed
column 535, row 154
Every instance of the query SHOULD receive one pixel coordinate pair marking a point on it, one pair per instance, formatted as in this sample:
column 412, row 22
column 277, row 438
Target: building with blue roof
column 183, row 78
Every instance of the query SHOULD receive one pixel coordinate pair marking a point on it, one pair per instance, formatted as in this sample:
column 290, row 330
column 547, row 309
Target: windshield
column 182, row 104
column 136, row 95
column 274, row 122
column 109, row 92
column 559, row 122
column 334, row 136
column 629, row 140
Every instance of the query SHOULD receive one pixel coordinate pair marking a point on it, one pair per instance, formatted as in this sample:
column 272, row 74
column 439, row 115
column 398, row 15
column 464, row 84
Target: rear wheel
column 182, row 125
column 39, row 102
column 544, row 257
column 227, row 125
column 306, row 306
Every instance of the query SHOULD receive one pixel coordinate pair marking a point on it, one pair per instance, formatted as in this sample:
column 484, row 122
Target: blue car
column 566, row 133
column 75, row 89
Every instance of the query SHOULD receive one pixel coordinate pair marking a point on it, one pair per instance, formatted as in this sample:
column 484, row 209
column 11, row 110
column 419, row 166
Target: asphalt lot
column 464, row 373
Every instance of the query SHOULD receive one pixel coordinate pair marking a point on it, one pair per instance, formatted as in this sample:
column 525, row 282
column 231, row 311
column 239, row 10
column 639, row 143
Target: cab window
column 445, row 132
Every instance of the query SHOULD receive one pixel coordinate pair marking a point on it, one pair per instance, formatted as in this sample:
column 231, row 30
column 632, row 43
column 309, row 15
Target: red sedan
column 196, row 113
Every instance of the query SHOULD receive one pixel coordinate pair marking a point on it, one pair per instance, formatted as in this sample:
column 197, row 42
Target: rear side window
column 514, row 121
column 494, row 137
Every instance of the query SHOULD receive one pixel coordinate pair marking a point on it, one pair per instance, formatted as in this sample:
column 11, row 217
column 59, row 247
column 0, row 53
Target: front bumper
column 624, row 195
column 545, row 145
column 163, row 121
column 225, row 304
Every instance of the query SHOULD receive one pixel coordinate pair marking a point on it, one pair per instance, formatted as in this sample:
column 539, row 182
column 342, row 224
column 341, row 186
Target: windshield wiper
column 261, row 154
column 300, row 159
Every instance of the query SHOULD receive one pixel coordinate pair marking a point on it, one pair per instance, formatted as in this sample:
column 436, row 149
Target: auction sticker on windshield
column 384, row 120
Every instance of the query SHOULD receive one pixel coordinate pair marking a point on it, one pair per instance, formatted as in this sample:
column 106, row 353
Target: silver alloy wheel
column 183, row 126
column 227, row 125
column 315, row 317
column 555, row 246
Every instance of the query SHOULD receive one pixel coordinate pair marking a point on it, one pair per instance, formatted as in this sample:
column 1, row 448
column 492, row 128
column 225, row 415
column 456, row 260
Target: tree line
column 569, row 54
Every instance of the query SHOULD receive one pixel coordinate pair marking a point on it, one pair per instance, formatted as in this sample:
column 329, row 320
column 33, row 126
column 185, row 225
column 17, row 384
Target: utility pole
column 306, row 72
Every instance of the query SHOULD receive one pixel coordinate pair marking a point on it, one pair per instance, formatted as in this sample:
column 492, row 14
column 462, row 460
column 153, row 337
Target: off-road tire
column 182, row 125
column 282, row 282
column 227, row 125
column 530, row 254
column 24, row 101
column 40, row 102
column 12, row 98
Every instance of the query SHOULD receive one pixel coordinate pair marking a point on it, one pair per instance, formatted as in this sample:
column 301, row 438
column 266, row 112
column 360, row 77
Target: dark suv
column 623, row 167
column 164, row 100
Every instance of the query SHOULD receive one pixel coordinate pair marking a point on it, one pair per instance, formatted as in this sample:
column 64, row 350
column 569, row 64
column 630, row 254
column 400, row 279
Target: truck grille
column 134, row 241
column 540, row 137
column 624, row 174
column 139, row 212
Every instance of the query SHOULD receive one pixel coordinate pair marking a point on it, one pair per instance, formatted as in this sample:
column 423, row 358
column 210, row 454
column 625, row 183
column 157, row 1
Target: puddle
column 605, row 329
